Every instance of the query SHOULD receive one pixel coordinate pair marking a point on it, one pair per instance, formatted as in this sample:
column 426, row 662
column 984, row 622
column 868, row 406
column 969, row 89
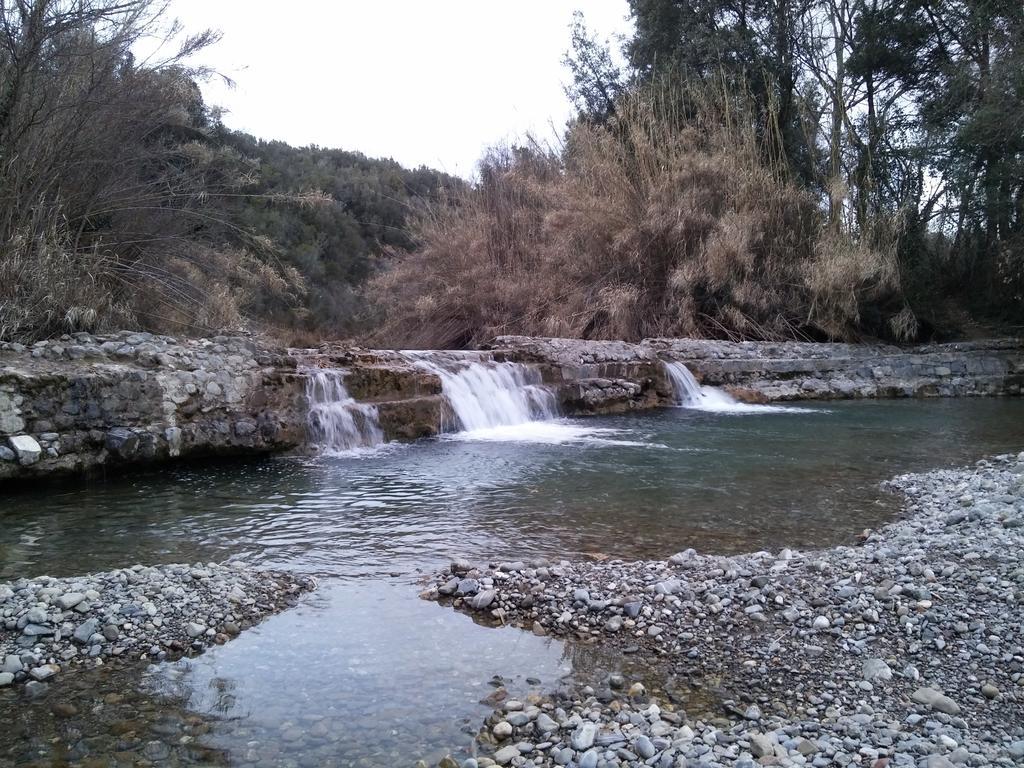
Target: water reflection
column 359, row 674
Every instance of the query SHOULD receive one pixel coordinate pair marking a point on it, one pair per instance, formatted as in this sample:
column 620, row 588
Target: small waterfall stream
column 690, row 394
column 484, row 394
column 684, row 385
column 336, row 421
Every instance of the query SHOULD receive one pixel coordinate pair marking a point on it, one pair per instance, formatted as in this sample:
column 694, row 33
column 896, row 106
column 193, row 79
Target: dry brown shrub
column 665, row 222
column 45, row 289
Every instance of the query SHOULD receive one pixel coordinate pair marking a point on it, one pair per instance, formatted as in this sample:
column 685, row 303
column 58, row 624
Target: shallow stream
column 365, row 673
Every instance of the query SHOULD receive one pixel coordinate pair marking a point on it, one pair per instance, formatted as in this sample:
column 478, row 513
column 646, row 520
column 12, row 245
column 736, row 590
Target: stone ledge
column 799, row 371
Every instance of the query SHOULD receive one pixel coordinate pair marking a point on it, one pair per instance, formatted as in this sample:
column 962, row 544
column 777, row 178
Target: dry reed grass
column 665, row 222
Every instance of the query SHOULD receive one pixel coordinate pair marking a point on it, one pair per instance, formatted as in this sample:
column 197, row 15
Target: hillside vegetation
column 329, row 215
column 656, row 223
column 125, row 203
column 809, row 169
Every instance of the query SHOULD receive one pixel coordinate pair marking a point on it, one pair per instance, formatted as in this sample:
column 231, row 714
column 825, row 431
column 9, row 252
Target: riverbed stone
column 644, row 747
column 761, row 745
column 583, row 737
column 876, row 670
column 482, row 600
column 44, row 672
column 84, row 631
column 936, row 700
column 545, row 724
column 910, row 595
column 112, row 598
column 69, row 600
column 505, row 755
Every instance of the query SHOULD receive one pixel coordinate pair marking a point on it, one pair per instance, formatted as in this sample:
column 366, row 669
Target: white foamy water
column 485, row 394
column 549, row 433
column 690, row 394
column 337, row 423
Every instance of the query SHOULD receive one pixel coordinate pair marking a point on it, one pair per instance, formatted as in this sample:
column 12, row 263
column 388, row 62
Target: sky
column 427, row 82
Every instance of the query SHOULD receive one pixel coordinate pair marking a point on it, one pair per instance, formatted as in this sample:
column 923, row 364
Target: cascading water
column 485, row 394
column 686, row 388
column 336, row 421
column 691, row 394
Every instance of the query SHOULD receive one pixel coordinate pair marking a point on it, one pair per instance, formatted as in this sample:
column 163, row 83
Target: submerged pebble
column 49, row 624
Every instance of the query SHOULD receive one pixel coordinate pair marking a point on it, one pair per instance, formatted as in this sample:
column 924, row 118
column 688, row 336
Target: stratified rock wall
column 593, row 376
column 73, row 405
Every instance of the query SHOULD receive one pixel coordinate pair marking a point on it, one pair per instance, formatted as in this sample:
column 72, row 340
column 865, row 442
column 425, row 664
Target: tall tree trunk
column 786, row 76
column 836, row 195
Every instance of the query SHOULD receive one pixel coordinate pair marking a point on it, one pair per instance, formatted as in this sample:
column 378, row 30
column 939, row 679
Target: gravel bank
column 159, row 612
column 903, row 651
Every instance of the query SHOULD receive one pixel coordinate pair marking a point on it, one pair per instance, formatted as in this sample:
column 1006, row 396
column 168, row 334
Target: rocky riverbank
column 904, row 650
column 82, row 403
column 48, row 625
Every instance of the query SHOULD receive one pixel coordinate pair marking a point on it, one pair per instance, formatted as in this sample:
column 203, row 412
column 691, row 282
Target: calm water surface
column 365, row 673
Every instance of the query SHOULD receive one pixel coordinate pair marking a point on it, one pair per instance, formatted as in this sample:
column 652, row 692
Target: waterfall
column 484, row 394
column 336, row 421
column 685, row 387
column 690, row 394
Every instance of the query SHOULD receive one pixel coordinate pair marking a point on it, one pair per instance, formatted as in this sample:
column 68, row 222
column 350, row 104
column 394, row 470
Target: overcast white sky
column 428, row 82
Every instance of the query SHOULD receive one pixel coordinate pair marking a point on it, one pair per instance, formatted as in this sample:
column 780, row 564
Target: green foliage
column 111, row 185
column 123, row 203
column 597, row 81
column 329, row 215
column 876, row 185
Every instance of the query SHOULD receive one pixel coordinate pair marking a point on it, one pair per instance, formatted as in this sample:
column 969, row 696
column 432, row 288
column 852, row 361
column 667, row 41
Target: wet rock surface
column 905, row 650
column 50, row 625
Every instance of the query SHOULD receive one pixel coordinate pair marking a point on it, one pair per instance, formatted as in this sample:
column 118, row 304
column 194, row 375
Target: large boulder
column 25, row 448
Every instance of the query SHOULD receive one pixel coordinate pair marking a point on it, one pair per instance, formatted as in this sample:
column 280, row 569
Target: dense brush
column 666, row 221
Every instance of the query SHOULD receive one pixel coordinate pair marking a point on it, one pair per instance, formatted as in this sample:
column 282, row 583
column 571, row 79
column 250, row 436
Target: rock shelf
column 905, row 650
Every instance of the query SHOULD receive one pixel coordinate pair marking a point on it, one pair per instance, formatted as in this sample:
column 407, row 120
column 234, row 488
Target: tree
column 597, row 81
column 974, row 106
column 751, row 45
column 108, row 182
